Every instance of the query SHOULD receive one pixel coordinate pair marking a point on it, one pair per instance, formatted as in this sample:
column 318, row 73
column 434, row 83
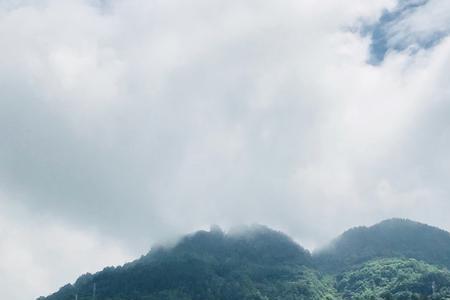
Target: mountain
column 248, row 263
column 395, row 259
column 390, row 238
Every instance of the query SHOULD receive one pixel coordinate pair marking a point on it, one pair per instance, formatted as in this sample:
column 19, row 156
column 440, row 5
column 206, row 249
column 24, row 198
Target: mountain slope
column 251, row 263
column 390, row 238
column 395, row 259
column 393, row 278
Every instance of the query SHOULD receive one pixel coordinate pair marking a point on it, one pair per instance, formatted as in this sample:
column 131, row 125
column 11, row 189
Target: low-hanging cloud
column 128, row 122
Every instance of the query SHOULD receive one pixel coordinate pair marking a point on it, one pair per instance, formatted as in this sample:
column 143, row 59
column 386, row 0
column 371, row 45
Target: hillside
column 384, row 261
column 394, row 278
column 390, row 238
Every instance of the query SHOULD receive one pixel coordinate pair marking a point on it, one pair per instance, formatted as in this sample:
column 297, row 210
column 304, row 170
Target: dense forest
column 395, row 259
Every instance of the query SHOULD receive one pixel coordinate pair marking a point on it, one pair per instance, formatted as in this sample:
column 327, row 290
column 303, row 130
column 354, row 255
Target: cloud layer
column 129, row 122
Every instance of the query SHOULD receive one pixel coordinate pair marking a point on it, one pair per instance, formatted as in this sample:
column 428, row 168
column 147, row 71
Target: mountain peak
column 254, row 243
column 390, row 238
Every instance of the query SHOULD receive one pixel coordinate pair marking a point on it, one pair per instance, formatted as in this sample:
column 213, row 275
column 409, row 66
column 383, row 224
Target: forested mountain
column 390, row 238
column 394, row 278
column 395, row 259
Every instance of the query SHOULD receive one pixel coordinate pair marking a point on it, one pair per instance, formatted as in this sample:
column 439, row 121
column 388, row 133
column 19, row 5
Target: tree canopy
column 395, row 259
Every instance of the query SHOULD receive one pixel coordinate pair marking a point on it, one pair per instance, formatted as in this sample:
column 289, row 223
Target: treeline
column 396, row 259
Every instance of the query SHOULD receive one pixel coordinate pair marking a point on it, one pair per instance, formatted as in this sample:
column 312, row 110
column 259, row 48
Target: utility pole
column 76, row 296
column 94, row 289
column 433, row 288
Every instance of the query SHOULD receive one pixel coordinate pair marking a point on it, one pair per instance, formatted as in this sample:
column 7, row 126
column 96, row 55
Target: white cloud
column 141, row 120
column 40, row 254
column 423, row 25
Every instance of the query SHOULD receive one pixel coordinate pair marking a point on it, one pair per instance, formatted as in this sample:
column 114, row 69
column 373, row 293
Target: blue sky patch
column 396, row 30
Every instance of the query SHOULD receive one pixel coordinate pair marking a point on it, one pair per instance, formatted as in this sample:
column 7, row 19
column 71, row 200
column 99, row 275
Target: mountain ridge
column 256, row 262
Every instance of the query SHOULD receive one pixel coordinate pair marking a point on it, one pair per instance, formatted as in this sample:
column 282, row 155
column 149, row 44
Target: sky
column 129, row 123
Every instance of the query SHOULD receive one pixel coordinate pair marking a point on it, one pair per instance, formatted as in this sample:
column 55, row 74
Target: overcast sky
column 128, row 122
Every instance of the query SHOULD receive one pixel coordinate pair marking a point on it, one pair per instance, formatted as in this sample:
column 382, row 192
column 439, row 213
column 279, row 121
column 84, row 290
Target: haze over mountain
column 394, row 259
